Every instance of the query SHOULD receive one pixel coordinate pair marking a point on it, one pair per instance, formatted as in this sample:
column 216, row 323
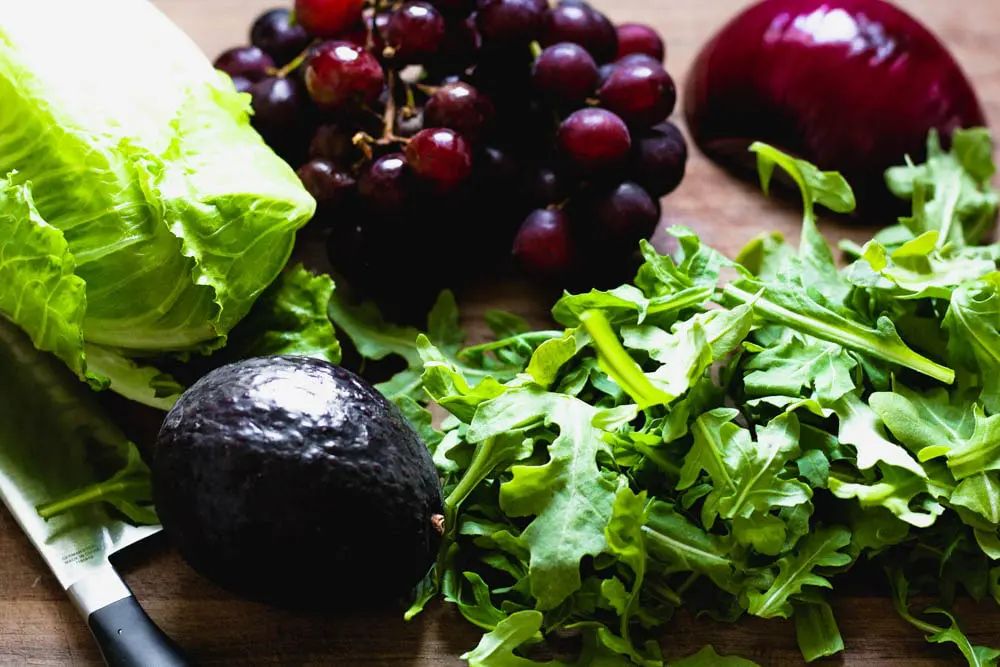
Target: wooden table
column 39, row 627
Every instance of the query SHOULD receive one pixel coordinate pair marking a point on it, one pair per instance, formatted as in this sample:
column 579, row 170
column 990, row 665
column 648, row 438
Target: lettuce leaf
column 142, row 210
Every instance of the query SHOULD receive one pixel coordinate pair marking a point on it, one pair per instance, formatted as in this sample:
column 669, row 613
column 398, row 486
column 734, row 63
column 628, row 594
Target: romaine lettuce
column 140, row 213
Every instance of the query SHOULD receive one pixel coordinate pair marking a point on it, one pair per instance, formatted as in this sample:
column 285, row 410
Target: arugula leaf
column 859, row 426
column 792, row 306
column 290, row 317
column 682, row 546
column 816, row 264
column 821, row 548
column 816, row 630
column 897, row 491
column 628, row 305
column 800, row 362
column 928, row 424
column 747, row 476
column 707, row 657
column 976, row 656
column 981, row 451
column 496, row 648
column 619, row 366
column 625, row 541
column 569, row 524
column 951, row 190
column 973, row 325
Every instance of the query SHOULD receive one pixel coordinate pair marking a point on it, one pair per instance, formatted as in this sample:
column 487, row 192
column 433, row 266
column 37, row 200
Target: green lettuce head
column 140, row 213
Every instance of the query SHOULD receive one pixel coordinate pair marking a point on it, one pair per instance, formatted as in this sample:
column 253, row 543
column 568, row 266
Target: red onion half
column 850, row 85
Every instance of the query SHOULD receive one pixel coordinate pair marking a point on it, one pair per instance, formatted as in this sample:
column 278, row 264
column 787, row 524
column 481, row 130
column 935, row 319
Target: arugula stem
column 686, row 299
column 89, row 495
column 618, row 364
column 773, row 312
column 528, row 337
column 661, row 461
column 693, row 577
column 666, row 593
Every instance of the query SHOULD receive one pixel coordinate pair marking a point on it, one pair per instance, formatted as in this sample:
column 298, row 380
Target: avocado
column 292, row 481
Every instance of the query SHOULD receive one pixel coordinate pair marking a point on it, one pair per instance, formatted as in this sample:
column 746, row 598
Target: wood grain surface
column 39, row 627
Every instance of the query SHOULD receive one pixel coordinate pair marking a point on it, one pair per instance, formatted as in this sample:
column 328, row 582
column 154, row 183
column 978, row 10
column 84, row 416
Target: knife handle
column 128, row 637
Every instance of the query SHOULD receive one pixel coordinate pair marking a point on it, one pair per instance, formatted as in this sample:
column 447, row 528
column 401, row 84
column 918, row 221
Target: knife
column 51, row 427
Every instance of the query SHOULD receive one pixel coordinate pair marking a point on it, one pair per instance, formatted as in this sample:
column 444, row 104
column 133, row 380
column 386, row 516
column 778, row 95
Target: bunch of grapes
column 439, row 137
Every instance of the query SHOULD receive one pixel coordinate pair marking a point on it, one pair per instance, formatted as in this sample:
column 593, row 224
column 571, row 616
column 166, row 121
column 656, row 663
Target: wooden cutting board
column 39, row 627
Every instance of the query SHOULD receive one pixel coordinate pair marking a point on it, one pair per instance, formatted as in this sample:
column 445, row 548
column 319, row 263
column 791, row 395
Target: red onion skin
column 851, row 85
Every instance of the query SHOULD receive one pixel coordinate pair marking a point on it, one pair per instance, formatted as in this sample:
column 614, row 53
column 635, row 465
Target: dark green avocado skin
column 292, row 481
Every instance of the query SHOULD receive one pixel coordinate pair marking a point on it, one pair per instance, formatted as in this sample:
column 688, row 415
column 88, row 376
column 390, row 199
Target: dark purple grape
column 510, row 22
column 379, row 23
column 440, row 156
column 459, row 48
column 504, row 76
column 335, row 143
column 385, row 184
column 277, row 107
column 640, row 58
column 277, row 35
column 640, row 93
column 604, row 73
column 605, row 46
column 242, row 84
column 414, row 32
column 544, row 244
column 565, row 74
column 594, row 140
column 659, row 159
column 620, row 217
column 639, row 38
column 497, row 170
column 583, row 25
column 458, row 8
column 358, row 34
column 332, row 188
column 543, row 186
column 460, row 107
column 246, row 61
column 340, row 74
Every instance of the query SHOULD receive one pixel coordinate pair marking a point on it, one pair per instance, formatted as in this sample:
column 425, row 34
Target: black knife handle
column 128, row 637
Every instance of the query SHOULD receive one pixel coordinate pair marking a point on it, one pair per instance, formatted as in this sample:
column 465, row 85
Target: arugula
column 729, row 445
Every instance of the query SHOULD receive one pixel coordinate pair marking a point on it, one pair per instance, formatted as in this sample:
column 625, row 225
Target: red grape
column 639, row 38
column 441, row 156
column 332, row 188
column 334, row 142
column 384, row 185
column 246, row 61
column 543, row 186
column 659, row 158
column 544, row 244
column 328, row 18
column 594, row 140
column 621, row 216
column 341, row 73
column 277, row 105
column 510, row 22
column 455, row 7
column 565, row 73
column 581, row 24
column 414, row 31
column 275, row 34
column 460, row 107
column 640, row 93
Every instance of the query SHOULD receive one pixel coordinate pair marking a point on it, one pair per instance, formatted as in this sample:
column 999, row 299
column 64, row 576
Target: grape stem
column 296, row 62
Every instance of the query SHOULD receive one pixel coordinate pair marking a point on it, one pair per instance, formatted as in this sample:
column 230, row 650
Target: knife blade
column 51, row 432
